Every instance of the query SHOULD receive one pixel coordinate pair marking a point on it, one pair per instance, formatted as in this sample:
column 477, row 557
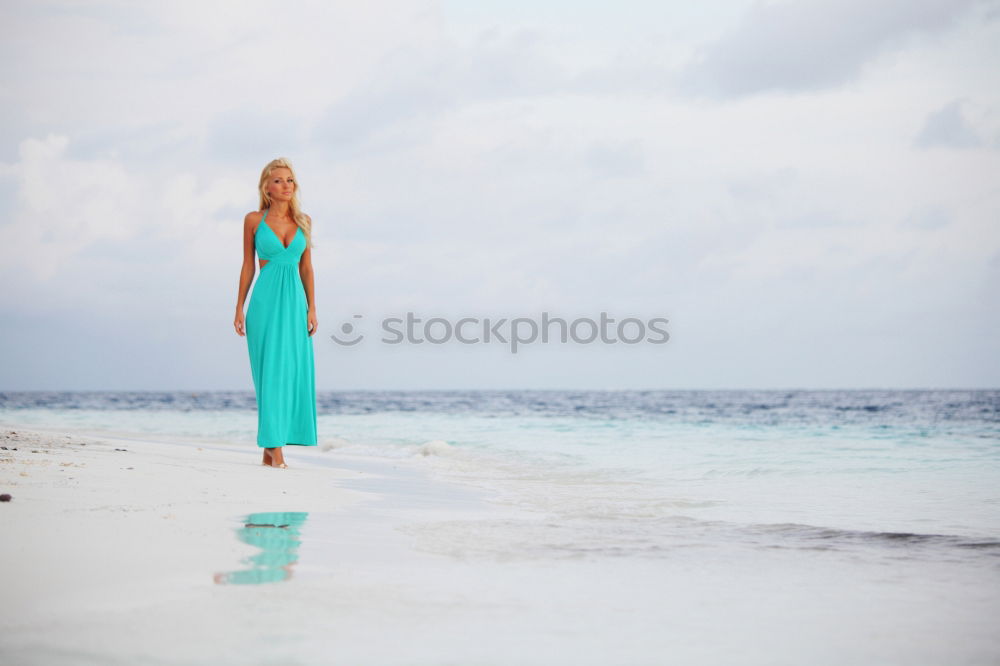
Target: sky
column 808, row 192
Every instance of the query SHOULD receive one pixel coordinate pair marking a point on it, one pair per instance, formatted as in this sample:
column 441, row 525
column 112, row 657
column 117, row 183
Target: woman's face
column 280, row 185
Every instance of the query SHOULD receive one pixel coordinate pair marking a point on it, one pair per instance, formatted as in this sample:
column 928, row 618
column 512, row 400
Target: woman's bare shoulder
column 252, row 218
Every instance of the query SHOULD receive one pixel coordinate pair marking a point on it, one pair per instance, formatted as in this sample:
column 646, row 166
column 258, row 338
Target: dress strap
column 265, row 213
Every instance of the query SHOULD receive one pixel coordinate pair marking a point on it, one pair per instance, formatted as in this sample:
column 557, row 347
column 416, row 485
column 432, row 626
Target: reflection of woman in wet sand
column 277, row 535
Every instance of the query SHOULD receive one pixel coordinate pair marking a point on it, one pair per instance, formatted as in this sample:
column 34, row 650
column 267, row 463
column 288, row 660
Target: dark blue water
column 913, row 408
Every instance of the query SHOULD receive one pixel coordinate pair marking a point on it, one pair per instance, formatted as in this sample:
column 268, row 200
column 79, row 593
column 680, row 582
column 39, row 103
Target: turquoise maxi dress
column 281, row 349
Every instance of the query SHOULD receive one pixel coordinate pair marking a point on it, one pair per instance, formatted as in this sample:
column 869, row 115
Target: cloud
column 248, row 136
column 96, row 234
column 948, row 126
column 624, row 158
column 419, row 82
column 64, row 206
column 811, row 45
column 928, row 217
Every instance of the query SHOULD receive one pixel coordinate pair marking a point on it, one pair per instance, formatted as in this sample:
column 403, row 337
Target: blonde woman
column 281, row 316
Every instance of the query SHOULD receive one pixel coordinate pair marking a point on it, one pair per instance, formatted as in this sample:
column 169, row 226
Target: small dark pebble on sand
column 5, row 497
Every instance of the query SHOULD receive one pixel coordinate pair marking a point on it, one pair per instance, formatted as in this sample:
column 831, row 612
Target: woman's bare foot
column 274, row 458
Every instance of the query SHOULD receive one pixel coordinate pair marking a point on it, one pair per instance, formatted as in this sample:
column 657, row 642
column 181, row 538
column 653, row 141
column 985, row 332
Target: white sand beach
column 117, row 551
column 110, row 545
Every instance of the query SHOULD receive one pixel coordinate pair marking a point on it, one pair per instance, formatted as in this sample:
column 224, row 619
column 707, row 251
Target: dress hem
column 264, row 446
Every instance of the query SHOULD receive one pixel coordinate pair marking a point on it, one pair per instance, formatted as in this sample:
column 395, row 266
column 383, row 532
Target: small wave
column 330, row 443
column 835, row 536
column 435, row 447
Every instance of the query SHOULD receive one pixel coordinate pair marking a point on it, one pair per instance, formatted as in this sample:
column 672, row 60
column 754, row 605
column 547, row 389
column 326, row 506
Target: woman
column 281, row 317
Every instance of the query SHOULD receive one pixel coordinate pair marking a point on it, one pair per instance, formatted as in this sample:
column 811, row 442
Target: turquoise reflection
column 276, row 533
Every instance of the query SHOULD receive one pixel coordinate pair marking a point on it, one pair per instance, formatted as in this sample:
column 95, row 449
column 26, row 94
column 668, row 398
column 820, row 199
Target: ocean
column 874, row 507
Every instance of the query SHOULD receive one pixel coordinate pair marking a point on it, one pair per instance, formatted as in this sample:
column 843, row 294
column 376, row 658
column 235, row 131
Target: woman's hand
column 240, row 323
column 313, row 324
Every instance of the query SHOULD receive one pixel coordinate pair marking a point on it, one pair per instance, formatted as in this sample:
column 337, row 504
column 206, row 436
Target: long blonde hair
column 293, row 206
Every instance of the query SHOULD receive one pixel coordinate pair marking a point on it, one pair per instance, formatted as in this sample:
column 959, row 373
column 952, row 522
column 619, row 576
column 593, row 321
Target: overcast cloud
column 807, row 190
column 815, row 44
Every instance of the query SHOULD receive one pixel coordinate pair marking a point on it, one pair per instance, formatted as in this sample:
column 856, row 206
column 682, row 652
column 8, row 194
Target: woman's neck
column 279, row 209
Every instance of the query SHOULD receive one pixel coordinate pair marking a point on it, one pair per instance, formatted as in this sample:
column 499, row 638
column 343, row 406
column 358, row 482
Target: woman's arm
column 248, row 270
column 306, row 273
